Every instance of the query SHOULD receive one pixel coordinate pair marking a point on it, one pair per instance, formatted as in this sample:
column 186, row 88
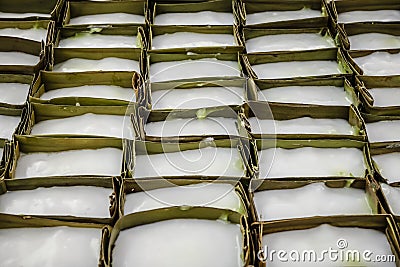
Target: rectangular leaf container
column 259, row 6
column 176, row 156
column 61, row 55
column 18, row 115
column 347, row 97
column 216, row 93
column 82, row 243
column 339, row 8
column 221, row 61
column 45, row 9
column 151, row 188
column 384, row 162
column 381, row 223
column 137, row 34
column 196, row 213
column 388, row 199
column 223, row 6
column 73, row 184
column 378, row 106
column 26, row 144
column 384, row 134
column 158, row 31
column 253, row 33
column 276, row 112
column 216, row 117
column 47, row 25
column 43, row 112
column 387, row 70
column 359, row 166
column 364, row 186
column 354, row 29
column 28, row 47
column 82, row 8
column 16, row 101
column 330, row 55
column 48, row 81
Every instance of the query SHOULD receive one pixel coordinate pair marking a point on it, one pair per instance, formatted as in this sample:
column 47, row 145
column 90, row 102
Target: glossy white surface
column 311, row 200
column 89, row 40
column 341, row 240
column 191, row 39
column 8, row 125
column 105, row 64
column 14, row 93
column 388, row 166
column 72, row 162
column 10, row 15
column 216, row 195
column 304, row 125
column 194, row 18
column 392, row 195
column 311, row 162
column 383, row 131
column 50, row 246
column 193, row 126
column 180, row 243
column 292, row 69
column 187, row 69
column 36, row 34
column 191, row 162
column 384, row 97
column 379, row 64
column 319, row 95
column 111, row 18
column 192, row 98
column 94, row 91
column 288, row 42
column 18, row 58
column 275, row 15
column 87, row 124
column 371, row 41
column 369, row 15
column 79, row 201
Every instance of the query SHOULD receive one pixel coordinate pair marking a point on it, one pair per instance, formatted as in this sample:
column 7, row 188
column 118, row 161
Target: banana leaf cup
column 82, row 8
column 27, row 144
column 367, row 186
column 158, row 31
column 142, row 117
column 252, row 33
column 28, row 47
column 197, row 213
column 343, row 68
column 281, row 112
column 239, row 167
column 365, row 83
column 48, row 25
column 32, row 185
column 258, row 6
column 224, row 6
column 353, row 29
column 37, row 112
column 46, row 9
column 220, row 60
column 382, row 223
column 131, row 186
column 32, row 224
column 26, row 79
column 48, row 81
column 262, row 170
